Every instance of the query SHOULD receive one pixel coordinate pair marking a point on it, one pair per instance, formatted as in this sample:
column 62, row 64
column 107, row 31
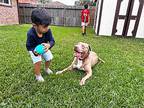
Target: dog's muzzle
column 78, row 51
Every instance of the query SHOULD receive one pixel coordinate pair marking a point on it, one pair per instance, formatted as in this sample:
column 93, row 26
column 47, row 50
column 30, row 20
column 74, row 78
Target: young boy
column 85, row 19
column 40, row 34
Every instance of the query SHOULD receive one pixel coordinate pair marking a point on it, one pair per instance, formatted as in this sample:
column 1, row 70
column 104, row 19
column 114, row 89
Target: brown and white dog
column 84, row 60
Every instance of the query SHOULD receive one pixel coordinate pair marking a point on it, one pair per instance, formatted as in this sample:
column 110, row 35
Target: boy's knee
column 34, row 58
column 48, row 56
column 37, row 63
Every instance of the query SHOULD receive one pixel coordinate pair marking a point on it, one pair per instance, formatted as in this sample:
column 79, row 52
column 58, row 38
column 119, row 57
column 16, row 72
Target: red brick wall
column 9, row 14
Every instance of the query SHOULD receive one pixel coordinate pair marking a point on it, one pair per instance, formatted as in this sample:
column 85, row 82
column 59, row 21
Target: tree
column 89, row 2
column 44, row 1
column 85, row 0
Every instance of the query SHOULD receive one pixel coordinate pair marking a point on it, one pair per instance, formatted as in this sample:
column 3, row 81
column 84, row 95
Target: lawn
column 117, row 83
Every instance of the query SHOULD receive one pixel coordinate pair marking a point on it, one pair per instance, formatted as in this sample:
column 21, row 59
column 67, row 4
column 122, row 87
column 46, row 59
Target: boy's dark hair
column 40, row 17
column 86, row 6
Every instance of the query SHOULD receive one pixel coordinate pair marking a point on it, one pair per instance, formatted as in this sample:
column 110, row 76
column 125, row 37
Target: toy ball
column 40, row 49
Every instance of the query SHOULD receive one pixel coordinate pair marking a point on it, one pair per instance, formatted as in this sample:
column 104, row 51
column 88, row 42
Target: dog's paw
column 82, row 82
column 58, row 72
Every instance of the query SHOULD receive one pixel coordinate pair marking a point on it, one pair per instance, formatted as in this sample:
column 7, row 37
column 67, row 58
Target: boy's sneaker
column 48, row 71
column 39, row 78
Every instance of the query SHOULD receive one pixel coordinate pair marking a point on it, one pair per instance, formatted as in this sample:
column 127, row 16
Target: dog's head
column 81, row 50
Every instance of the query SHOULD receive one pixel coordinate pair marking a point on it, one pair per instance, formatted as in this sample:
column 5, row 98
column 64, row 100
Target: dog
column 84, row 59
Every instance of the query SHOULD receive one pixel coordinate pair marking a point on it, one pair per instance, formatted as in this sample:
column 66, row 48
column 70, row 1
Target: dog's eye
column 82, row 52
column 82, row 46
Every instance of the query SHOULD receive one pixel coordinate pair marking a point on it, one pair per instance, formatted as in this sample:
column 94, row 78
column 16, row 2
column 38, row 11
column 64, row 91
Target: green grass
column 117, row 83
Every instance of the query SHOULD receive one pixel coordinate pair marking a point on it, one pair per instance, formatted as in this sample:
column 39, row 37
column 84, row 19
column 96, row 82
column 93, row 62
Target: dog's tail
column 101, row 60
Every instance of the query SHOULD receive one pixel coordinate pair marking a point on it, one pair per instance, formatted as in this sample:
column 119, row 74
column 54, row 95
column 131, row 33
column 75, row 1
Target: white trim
column 6, row 4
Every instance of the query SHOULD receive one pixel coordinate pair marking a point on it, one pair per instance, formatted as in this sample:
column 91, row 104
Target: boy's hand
column 35, row 53
column 47, row 46
column 88, row 23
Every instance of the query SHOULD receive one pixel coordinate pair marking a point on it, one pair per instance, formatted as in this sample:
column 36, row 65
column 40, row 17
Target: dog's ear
column 90, row 48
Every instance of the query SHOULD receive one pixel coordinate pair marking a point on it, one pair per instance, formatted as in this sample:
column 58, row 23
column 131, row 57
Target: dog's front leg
column 88, row 71
column 68, row 68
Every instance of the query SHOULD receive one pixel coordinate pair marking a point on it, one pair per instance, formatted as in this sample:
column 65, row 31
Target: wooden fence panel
column 63, row 16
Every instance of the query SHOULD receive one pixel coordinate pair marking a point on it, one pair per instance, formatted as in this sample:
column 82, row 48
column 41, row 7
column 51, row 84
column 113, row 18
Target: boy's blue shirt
column 33, row 40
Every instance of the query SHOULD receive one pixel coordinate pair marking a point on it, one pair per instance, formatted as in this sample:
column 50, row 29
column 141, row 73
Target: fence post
column 64, row 16
column 24, row 14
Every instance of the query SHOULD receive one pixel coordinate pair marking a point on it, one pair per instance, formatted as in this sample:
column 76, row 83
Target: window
column 5, row 2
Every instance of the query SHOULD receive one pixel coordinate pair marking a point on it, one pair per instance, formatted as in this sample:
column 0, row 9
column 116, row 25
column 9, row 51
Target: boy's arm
column 88, row 17
column 51, row 40
column 30, row 44
column 49, row 43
